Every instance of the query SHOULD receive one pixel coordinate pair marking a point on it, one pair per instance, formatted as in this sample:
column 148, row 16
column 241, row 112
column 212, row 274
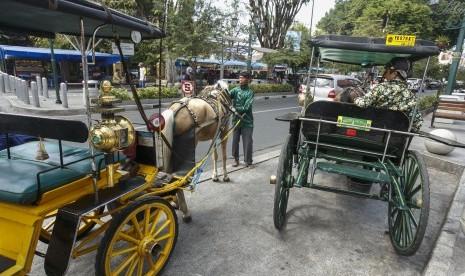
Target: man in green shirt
column 243, row 97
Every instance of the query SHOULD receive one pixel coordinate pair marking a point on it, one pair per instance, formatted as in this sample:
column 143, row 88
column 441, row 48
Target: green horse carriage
column 368, row 145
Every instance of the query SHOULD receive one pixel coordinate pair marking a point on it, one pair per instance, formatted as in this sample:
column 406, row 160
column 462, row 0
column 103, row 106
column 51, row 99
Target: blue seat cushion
column 18, row 180
column 18, row 175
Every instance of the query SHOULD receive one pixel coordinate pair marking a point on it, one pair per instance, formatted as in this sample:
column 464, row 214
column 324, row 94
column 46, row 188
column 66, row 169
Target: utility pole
column 456, row 59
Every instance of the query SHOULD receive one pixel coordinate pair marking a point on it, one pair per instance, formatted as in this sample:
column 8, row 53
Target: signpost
column 127, row 48
column 187, row 88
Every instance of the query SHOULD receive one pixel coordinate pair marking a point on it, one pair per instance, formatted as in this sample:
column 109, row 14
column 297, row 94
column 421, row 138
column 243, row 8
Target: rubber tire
column 279, row 211
column 80, row 234
column 424, row 210
column 118, row 218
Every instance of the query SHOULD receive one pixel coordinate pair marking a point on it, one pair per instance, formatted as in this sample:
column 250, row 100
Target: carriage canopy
column 368, row 51
column 47, row 17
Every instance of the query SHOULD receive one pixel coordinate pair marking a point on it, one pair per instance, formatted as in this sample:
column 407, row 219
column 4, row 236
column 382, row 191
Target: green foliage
column 152, row 92
column 427, row 102
column 366, row 18
column 145, row 93
column 120, row 93
column 268, row 88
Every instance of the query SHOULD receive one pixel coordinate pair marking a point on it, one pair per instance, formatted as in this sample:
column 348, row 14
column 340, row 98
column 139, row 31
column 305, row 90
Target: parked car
column 414, row 85
column 327, row 87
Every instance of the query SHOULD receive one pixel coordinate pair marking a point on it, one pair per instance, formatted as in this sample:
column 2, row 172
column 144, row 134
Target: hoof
column 215, row 179
column 187, row 219
column 226, row 179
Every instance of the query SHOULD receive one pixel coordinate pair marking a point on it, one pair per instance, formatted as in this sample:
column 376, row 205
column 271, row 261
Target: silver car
column 326, row 88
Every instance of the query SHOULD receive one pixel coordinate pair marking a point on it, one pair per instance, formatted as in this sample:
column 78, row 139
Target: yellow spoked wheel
column 84, row 228
column 140, row 239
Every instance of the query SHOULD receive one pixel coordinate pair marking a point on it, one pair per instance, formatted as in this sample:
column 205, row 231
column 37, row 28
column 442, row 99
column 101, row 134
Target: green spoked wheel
column 283, row 184
column 140, row 239
column 407, row 225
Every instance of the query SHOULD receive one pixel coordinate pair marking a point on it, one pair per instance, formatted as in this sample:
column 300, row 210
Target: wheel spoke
column 167, row 236
column 397, row 227
column 412, row 180
column 128, row 238
column 413, row 192
column 155, row 221
column 140, row 268
column 167, row 222
column 122, row 266
column 412, row 217
column 137, row 227
column 132, row 267
column 123, row 251
column 147, row 221
column 150, row 261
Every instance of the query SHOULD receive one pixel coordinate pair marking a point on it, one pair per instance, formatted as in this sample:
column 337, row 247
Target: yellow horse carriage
column 69, row 196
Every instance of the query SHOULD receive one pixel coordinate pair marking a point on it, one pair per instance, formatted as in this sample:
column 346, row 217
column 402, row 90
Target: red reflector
column 351, row 132
column 158, row 122
column 332, row 94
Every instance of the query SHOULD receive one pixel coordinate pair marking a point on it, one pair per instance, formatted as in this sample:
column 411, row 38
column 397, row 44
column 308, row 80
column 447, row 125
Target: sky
column 321, row 7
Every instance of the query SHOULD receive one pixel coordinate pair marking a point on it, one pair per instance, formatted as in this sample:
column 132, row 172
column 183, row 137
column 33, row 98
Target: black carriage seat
column 18, row 175
column 359, row 139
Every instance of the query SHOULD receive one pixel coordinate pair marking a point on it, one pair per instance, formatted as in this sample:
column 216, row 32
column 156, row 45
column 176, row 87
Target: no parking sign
column 187, row 88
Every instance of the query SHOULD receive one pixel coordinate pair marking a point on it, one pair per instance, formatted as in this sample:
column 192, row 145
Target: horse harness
column 213, row 102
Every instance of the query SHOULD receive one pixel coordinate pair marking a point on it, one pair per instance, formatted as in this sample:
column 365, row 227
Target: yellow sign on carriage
column 400, row 40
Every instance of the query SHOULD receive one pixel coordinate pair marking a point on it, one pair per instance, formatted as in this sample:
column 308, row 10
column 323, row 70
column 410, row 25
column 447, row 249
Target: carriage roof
column 45, row 18
column 368, row 51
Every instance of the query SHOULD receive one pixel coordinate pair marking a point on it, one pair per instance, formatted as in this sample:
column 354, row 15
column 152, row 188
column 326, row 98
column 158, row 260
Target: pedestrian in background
column 243, row 97
column 142, row 75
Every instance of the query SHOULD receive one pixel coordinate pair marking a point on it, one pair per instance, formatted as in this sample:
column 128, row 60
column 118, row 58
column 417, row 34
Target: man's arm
column 369, row 98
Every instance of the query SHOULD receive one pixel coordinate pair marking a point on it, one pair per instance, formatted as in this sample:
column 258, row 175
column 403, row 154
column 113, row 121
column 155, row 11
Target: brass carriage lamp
column 113, row 132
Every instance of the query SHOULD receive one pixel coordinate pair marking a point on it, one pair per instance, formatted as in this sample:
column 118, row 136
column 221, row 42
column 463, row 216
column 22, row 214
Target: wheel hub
column 148, row 247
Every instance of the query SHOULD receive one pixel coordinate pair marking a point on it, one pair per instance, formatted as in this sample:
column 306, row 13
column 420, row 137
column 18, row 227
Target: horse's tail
column 168, row 131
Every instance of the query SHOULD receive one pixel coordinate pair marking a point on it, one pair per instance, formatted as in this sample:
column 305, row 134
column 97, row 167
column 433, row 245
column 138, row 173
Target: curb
column 19, row 108
column 441, row 259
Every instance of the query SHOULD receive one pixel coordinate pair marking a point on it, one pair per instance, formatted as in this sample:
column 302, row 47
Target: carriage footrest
column 6, row 263
column 68, row 219
column 354, row 172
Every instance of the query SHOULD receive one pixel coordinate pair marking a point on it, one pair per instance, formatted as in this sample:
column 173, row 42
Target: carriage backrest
column 356, row 137
column 67, row 130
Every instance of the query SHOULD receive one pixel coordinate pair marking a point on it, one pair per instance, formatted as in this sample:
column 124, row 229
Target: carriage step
column 68, row 219
column 6, row 263
column 354, row 172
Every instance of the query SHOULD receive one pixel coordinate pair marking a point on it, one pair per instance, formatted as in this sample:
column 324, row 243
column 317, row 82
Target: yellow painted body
column 20, row 225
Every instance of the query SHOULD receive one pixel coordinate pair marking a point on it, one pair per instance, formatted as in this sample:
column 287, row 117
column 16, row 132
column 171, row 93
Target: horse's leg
column 186, row 215
column 215, row 169
column 224, row 153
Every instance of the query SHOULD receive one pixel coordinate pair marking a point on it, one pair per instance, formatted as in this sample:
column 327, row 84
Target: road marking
column 270, row 110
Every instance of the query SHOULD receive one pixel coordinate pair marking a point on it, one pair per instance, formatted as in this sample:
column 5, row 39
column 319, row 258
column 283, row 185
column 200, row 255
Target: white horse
column 208, row 114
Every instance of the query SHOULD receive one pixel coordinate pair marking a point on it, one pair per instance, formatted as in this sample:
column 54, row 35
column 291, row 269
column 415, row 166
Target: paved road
column 267, row 132
column 232, row 231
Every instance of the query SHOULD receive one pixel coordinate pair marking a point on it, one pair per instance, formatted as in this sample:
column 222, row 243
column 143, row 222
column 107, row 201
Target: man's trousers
column 247, row 143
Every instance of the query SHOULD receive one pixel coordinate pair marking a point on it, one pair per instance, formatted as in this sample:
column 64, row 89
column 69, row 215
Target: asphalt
column 232, row 230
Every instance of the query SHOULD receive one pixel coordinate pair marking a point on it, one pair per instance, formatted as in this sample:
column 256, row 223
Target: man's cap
column 245, row 75
column 401, row 65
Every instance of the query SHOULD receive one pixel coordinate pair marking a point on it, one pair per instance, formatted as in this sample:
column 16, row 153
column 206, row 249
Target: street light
column 234, row 22
column 259, row 24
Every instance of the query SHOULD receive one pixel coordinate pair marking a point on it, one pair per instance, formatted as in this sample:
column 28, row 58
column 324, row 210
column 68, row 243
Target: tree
column 277, row 16
column 376, row 18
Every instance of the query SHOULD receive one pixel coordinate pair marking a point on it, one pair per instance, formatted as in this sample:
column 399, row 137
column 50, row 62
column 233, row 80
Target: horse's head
column 219, row 92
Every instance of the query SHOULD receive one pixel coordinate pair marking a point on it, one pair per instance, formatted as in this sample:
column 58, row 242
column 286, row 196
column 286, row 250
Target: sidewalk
column 49, row 107
column 449, row 251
